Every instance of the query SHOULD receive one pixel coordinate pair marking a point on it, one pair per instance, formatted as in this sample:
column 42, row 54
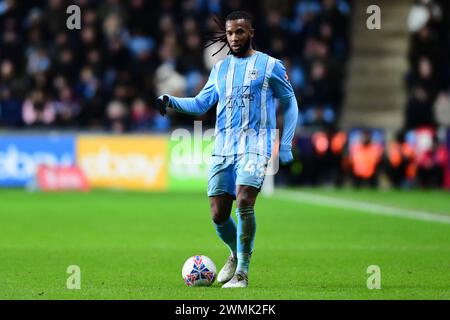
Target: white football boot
column 227, row 271
column 239, row 280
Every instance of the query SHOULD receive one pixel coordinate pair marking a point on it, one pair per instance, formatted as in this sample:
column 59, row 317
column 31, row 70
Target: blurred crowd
column 368, row 158
column 107, row 75
column 417, row 156
column 428, row 79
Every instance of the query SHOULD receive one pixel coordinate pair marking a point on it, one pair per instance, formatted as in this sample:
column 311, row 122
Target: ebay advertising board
column 123, row 162
column 20, row 156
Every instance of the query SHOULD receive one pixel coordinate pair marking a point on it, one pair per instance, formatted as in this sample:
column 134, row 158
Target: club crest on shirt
column 253, row 74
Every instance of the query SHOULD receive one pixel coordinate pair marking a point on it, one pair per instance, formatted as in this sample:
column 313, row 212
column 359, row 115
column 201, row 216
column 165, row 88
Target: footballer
column 244, row 85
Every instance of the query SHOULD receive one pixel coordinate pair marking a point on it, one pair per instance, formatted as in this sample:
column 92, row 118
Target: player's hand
column 285, row 154
column 162, row 103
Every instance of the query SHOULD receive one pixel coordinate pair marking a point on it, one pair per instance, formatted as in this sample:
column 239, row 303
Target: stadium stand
column 105, row 77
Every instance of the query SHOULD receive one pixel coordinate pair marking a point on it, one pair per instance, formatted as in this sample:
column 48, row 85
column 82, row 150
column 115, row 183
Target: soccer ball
column 199, row 271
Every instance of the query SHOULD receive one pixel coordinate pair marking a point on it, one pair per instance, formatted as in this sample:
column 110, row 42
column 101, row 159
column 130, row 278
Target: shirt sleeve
column 279, row 82
column 202, row 102
column 290, row 118
column 283, row 91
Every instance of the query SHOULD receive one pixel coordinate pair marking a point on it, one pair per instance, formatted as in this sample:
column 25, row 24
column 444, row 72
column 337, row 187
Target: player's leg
column 221, row 192
column 246, row 229
column 250, row 177
column 223, row 222
column 226, row 229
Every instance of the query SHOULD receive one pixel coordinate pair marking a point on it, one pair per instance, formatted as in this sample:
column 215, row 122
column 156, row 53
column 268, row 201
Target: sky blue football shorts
column 227, row 172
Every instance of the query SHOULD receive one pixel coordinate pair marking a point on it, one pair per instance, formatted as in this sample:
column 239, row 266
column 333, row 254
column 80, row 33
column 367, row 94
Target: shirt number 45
column 254, row 168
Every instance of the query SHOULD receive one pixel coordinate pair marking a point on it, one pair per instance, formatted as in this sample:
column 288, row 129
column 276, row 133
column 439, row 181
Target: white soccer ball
column 199, row 271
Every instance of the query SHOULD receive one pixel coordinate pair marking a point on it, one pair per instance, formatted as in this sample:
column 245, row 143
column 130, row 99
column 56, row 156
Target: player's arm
column 197, row 105
column 283, row 90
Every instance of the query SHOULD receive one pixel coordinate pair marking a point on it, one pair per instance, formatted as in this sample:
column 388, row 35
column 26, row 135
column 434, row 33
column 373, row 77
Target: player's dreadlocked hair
column 220, row 36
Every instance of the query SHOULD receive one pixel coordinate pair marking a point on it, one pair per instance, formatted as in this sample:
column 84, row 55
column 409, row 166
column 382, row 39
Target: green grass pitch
column 131, row 245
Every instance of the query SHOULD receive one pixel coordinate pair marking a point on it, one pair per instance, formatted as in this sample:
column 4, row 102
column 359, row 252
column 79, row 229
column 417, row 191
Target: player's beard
column 245, row 47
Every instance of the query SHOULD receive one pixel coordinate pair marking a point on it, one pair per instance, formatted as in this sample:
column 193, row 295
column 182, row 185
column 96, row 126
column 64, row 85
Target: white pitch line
column 378, row 209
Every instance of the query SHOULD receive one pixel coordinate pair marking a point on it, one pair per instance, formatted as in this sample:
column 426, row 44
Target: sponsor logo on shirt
column 238, row 96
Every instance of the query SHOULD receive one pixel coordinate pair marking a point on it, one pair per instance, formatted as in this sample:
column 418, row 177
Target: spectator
column 329, row 147
column 399, row 157
column 365, row 158
column 319, row 97
column 424, row 90
column 10, row 108
column 141, row 117
column 116, row 113
column 431, row 166
column 37, row 110
column 66, row 108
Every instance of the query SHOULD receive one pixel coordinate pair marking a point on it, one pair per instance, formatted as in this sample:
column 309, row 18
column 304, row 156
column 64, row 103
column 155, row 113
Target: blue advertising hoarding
column 21, row 155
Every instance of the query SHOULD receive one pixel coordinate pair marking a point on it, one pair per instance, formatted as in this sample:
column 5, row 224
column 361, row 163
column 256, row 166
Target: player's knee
column 245, row 198
column 217, row 216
